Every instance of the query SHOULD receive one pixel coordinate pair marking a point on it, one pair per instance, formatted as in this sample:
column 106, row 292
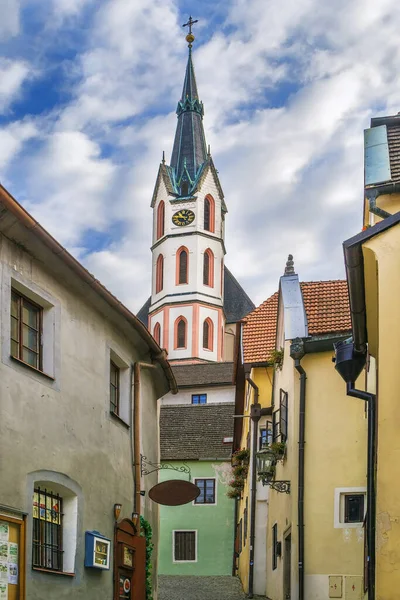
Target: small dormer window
column 184, row 188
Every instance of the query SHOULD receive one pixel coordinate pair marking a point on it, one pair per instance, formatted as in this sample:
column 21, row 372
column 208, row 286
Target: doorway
column 287, row 564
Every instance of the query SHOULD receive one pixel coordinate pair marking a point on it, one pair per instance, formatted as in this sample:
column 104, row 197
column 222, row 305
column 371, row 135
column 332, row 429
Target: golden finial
column 190, row 37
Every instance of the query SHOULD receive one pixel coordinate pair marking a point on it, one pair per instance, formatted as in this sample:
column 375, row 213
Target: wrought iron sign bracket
column 279, row 486
column 147, row 467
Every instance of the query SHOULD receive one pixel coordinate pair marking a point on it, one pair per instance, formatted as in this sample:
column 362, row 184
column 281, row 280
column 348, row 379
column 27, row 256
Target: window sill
column 42, row 570
column 21, row 362
column 118, row 418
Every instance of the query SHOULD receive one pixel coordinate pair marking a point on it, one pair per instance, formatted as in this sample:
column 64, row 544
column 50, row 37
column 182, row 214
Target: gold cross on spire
column 190, row 37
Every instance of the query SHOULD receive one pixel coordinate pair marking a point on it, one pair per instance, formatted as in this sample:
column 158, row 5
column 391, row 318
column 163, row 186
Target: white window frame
column 115, row 355
column 51, row 321
column 195, row 545
column 339, row 496
column 215, row 492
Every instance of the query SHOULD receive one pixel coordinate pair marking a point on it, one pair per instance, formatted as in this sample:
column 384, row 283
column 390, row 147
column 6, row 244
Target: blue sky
column 88, row 91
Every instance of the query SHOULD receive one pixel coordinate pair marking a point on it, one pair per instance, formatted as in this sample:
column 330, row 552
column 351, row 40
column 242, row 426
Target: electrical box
column 353, row 587
column 335, row 586
column 97, row 550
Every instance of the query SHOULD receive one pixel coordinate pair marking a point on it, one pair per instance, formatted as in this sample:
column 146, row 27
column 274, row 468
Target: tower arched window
column 208, row 268
column 180, row 332
column 182, row 266
column 208, row 334
column 160, row 219
column 157, row 333
column 209, row 214
column 159, row 274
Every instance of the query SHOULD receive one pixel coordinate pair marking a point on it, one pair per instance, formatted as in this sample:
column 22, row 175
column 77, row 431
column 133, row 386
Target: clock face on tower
column 183, row 217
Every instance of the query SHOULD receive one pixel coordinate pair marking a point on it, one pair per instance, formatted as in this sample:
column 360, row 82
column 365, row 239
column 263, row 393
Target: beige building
column 72, row 424
column 310, row 536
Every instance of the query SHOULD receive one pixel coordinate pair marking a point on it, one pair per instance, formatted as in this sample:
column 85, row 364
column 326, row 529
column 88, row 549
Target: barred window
column 26, row 330
column 47, row 552
column 114, row 388
column 185, row 546
column 283, row 410
column 207, row 491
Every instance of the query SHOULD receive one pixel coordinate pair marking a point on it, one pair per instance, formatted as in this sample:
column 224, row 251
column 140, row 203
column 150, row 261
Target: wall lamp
column 117, row 511
column 266, row 464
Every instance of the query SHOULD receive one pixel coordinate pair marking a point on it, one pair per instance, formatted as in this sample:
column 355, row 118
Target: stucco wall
column 214, row 395
column 64, row 425
column 213, row 523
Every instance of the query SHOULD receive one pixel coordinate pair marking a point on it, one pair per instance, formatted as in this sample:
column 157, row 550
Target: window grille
column 184, row 545
column 207, row 491
column 183, row 267
column 26, row 330
column 207, row 215
column 283, row 410
column 354, row 508
column 199, row 398
column 114, row 388
column 47, row 552
column 274, row 546
column 181, row 334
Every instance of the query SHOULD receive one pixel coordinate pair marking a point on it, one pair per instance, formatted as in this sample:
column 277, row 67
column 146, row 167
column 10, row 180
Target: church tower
column 186, row 312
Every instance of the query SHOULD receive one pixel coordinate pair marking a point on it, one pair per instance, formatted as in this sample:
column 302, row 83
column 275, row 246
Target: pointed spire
column 163, row 157
column 289, row 269
column 190, row 151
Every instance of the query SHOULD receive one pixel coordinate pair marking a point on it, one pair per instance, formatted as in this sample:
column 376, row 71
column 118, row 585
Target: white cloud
column 9, row 22
column 12, row 139
column 12, row 75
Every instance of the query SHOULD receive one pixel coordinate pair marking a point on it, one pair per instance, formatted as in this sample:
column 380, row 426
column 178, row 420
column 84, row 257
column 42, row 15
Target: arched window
column 180, row 332
column 182, row 264
column 208, row 268
column 209, row 214
column 160, row 219
column 157, row 333
column 208, row 334
column 160, row 274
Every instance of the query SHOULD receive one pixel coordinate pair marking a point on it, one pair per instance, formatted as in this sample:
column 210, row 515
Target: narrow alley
column 173, row 587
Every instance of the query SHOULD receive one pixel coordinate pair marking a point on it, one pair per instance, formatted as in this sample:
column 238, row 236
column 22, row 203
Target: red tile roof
column 327, row 308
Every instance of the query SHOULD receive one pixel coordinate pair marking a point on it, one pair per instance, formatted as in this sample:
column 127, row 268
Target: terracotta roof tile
column 327, row 308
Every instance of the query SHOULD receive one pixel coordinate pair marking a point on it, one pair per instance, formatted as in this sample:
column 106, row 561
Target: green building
column 198, row 538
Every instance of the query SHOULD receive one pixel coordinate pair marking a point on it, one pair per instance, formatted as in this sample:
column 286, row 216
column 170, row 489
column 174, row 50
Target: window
column 160, row 219
column 157, row 333
column 185, row 546
column 47, row 551
column 209, row 214
column 159, row 274
column 207, row 491
column 199, row 398
column 240, row 536
column 26, row 330
column 245, row 518
column 280, row 419
column 180, row 333
column 354, row 508
column 265, row 435
column 182, row 262
column 208, row 334
column 114, row 388
column 208, row 268
column 275, row 546
column 184, row 188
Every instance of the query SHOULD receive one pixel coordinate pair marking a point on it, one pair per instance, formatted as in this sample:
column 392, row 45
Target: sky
column 88, row 93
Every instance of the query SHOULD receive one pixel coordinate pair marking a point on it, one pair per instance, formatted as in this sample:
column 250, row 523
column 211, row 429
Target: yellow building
column 310, row 539
column 373, row 273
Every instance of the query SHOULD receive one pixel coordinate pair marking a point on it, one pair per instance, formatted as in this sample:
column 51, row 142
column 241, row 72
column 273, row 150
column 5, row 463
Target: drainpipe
column 371, row 197
column 297, row 352
column 255, row 415
column 136, row 442
column 371, row 492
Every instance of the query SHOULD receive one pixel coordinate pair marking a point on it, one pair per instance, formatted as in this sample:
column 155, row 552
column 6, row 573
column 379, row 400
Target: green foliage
column 278, row 448
column 147, row 532
column 241, row 455
column 232, row 493
column 240, row 471
column 277, row 358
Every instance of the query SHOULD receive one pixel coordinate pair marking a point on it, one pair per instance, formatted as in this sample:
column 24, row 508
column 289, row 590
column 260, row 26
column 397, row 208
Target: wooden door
column 12, row 557
column 129, row 563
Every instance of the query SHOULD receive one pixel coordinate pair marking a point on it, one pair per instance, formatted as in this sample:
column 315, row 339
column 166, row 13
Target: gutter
column 255, row 417
column 158, row 354
column 297, row 352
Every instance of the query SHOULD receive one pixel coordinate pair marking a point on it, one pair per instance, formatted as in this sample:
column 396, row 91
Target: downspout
column 371, row 491
column 297, row 353
column 136, row 442
column 255, row 417
column 372, row 195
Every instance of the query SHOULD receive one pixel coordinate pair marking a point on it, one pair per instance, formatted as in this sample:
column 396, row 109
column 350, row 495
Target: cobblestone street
column 199, row 588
